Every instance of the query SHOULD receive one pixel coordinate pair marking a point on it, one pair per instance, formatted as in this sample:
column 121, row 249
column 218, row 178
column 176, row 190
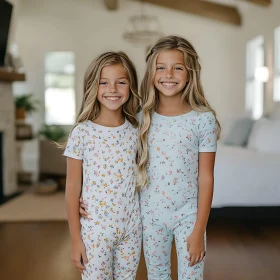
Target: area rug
column 32, row 207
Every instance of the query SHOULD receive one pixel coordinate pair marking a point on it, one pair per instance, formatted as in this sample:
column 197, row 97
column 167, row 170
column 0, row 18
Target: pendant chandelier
column 142, row 30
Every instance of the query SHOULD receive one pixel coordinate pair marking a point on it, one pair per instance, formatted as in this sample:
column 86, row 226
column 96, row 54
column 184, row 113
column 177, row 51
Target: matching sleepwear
column 113, row 234
column 169, row 203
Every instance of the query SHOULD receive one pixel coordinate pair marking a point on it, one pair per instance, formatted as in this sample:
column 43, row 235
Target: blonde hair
column 193, row 94
column 90, row 108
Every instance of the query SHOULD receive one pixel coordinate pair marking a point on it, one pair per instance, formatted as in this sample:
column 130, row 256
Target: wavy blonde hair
column 193, row 94
column 90, row 108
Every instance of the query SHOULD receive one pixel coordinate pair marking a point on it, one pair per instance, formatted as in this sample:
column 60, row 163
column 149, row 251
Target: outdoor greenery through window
column 60, row 104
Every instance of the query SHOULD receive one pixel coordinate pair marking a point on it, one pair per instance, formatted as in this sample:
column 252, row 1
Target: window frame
column 254, row 89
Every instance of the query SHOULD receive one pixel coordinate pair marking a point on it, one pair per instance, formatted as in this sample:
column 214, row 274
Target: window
column 276, row 90
column 254, row 87
column 60, row 88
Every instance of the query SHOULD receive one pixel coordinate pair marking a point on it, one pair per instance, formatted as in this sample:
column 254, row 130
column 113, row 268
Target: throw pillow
column 239, row 132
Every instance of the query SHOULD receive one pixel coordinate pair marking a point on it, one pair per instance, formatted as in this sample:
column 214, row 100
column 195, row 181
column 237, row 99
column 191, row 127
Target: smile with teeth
column 168, row 85
column 112, row 98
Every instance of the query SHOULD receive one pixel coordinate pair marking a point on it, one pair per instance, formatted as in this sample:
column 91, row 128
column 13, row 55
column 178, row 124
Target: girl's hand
column 78, row 256
column 83, row 209
column 195, row 247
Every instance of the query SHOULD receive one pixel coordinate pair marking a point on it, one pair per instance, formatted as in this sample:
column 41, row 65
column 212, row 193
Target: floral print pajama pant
column 157, row 241
column 112, row 254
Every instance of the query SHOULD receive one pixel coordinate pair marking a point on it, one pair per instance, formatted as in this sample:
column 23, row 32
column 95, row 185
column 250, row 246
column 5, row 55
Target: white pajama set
column 169, row 203
column 113, row 234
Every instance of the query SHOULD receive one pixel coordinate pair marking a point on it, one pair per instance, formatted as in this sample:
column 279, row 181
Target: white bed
column 246, row 178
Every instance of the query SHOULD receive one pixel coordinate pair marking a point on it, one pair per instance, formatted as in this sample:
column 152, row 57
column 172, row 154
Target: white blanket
column 245, row 177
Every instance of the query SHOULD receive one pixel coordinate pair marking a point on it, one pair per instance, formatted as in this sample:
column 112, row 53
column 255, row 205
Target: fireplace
column 8, row 156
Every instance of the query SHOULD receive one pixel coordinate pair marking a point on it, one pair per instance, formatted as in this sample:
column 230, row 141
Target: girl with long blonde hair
column 176, row 157
column 101, row 168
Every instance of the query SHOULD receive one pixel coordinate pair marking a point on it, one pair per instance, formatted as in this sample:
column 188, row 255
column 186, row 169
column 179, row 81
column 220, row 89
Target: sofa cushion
column 265, row 136
column 239, row 132
column 275, row 115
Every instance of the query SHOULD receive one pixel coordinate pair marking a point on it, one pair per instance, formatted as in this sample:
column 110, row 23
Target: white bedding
column 245, row 177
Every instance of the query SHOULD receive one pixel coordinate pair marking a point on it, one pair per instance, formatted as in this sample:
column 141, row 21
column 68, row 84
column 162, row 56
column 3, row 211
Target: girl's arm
column 195, row 241
column 206, row 164
column 207, row 133
column 73, row 191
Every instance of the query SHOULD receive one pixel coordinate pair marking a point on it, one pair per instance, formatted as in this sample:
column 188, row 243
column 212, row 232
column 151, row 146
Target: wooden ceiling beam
column 260, row 2
column 202, row 8
column 111, row 4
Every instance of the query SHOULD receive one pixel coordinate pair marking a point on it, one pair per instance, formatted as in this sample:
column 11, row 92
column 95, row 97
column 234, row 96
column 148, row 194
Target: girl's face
column 171, row 73
column 114, row 88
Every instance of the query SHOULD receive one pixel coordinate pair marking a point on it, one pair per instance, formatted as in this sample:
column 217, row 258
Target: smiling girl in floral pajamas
column 178, row 136
column 101, row 163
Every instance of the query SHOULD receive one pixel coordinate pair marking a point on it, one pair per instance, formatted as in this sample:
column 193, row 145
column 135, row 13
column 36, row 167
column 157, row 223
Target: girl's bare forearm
column 72, row 206
column 205, row 195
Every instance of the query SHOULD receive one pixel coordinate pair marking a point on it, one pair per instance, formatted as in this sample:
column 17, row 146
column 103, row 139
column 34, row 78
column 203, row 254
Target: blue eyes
column 105, row 83
column 176, row 68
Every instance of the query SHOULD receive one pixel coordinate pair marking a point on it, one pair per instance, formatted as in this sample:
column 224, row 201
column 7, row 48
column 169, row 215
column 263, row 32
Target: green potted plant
column 53, row 133
column 52, row 164
column 25, row 104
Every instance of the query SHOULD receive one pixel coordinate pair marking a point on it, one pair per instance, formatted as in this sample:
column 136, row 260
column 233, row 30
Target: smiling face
column 114, row 88
column 171, row 73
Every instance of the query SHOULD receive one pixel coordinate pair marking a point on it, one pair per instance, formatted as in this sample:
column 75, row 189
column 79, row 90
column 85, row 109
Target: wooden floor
column 32, row 251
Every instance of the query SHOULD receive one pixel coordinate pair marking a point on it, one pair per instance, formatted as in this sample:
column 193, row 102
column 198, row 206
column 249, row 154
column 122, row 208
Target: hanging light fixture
column 142, row 29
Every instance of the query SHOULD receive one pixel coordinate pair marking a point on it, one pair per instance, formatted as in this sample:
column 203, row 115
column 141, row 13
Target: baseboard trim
column 249, row 214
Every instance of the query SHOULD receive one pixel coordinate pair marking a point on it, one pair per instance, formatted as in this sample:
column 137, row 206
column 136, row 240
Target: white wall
column 13, row 24
column 87, row 28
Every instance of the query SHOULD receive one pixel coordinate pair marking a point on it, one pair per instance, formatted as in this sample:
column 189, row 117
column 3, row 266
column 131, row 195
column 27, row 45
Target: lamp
column 262, row 74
